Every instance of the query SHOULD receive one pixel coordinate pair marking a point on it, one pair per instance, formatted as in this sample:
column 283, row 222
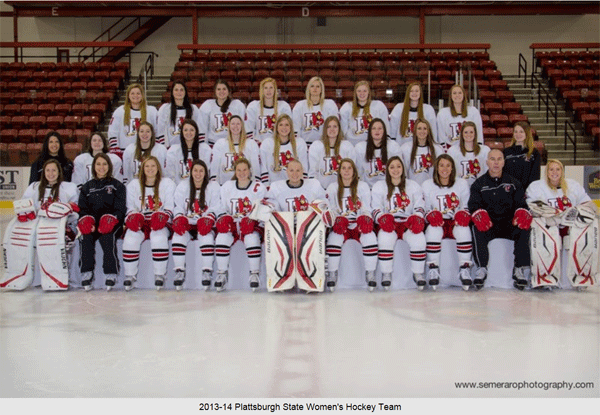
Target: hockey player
column 126, row 119
column 564, row 216
column 53, row 148
column 189, row 148
column 310, row 113
column 521, row 159
column 197, row 205
column 420, row 155
column 372, row 155
column 172, row 114
column 237, row 197
column 95, row 144
column 450, row 119
column 498, row 210
column 356, row 116
column 350, row 202
column 446, row 198
column 324, row 156
column 149, row 210
column 227, row 150
column 469, row 156
column 398, row 209
column 262, row 114
column 404, row 115
column 276, row 152
column 145, row 145
column 103, row 205
column 216, row 113
column 296, row 193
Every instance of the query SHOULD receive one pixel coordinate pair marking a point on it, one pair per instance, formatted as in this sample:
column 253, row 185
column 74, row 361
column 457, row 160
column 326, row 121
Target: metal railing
column 147, row 70
column 573, row 140
column 523, row 66
column 82, row 57
column 546, row 97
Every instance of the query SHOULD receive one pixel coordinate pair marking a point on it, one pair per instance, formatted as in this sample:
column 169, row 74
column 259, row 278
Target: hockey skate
column 179, row 279
column 386, row 280
column 464, row 275
column 420, row 281
column 520, row 277
column 254, row 281
column 110, row 282
column 370, row 278
column 206, row 277
column 480, row 276
column 159, row 281
column 433, row 276
column 128, row 282
column 221, row 281
column 87, row 280
column 331, row 278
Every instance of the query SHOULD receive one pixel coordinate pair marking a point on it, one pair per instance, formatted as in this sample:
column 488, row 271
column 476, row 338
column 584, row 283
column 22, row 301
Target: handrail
column 580, row 45
column 572, row 140
column 148, row 67
column 124, row 44
column 523, row 65
column 547, row 99
column 332, row 46
column 107, row 31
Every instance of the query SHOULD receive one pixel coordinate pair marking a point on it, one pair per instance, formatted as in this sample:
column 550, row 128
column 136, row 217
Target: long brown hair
column 186, row 104
column 156, row 182
column 430, row 143
column 476, row 146
column 127, row 105
column 338, row 140
column 202, row 197
column 528, row 137
column 436, row 174
column 277, row 141
column 370, row 151
column 388, row 178
column 105, row 157
column 404, row 122
column 54, row 192
column 355, row 106
column 463, row 110
column 140, row 154
column 195, row 144
column 88, row 142
column 353, row 183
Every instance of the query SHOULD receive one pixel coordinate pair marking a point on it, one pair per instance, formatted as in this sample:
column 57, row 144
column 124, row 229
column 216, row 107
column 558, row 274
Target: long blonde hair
column 338, row 140
column 261, row 94
column 404, row 122
column 461, row 138
column 528, row 137
column 127, row 105
column 141, row 154
column 563, row 182
column 242, row 143
column 367, row 107
column 277, row 141
column 322, row 98
column 463, row 109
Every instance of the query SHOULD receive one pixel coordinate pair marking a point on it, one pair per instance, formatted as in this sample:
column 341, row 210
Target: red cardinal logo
column 335, row 162
column 244, row 206
column 379, row 164
column 300, row 203
column 563, row 202
column 402, row 200
column 226, row 118
column 474, row 167
column 188, row 165
column 351, row 206
column 197, row 209
column 136, row 124
column 317, row 119
column 451, row 201
column 285, row 158
column 426, row 161
column 365, row 121
column 271, row 121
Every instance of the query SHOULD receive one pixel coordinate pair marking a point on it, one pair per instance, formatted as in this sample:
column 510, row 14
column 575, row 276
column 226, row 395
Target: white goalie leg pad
column 52, row 253
column 279, row 251
column 19, row 254
column 546, row 244
column 582, row 266
column 310, row 251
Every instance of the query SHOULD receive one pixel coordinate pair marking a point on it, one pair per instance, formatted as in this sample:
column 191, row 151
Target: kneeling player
column 564, row 215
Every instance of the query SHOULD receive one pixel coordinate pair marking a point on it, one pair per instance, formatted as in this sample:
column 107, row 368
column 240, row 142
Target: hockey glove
column 74, row 206
column 86, row 224
column 247, row 226
column 205, row 225
column 387, row 223
column 415, row 224
column 225, row 224
column 365, row 224
column 522, row 219
column 24, row 217
column 340, row 225
column 181, row 225
column 158, row 220
column 462, row 218
column 435, row 218
column 482, row 220
column 107, row 223
column 134, row 221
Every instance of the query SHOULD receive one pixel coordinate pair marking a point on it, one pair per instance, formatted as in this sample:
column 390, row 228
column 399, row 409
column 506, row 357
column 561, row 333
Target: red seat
column 29, row 109
column 511, row 108
column 72, row 121
column 15, row 86
column 67, row 135
column 11, row 109
column 31, row 85
column 72, row 150
column 54, row 76
column 110, row 86
column 8, row 135
column 40, row 134
column 18, row 98
column 505, row 133
column 37, row 121
column 513, row 118
column 581, row 108
column 45, row 109
column 19, row 122
column 505, row 96
column 17, row 153
column 493, row 108
column 278, row 75
column 294, row 74
column 101, row 76
column 487, row 96
column 81, row 135
column 33, row 151
column 589, row 121
column 62, row 109
column 94, row 86
column 499, row 121
column 489, row 134
column 498, row 85
column 26, row 135
column 98, row 110
column 54, row 122
column 70, row 76
column 47, row 86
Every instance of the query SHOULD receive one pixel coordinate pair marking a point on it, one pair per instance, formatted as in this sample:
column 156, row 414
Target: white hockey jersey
column 371, row 171
column 469, row 166
column 259, row 127
column 286, row 154
column 178, row 169
column 164, row 201
column 350, row 209
column 182, row 201
column 422, row 168
column 447, row 200
column 448, row 127
column 308, row 123
column 237, row 202
column 221, row 167
column 131, row 167
column 119, row 135
column 82, row 170
column 396, row 120
column 401, row 205
column 324, row 167
column 170, row 134
column 67, row 193
column 294, row 199
column 214, row 123
column 539, row 190
column 355, row 129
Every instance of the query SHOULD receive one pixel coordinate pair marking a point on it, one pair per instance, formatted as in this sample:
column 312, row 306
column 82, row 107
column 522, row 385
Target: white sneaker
column 386, row 280
column 420, row 281
column 433, row 276
column 254, row 280
column 371, row 282
column 179, row 279
column 206, row 277
column 221, row 280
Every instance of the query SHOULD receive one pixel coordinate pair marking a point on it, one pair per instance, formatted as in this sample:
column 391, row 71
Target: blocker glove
column 107, row 223
column 158, row 221
column 247, row 226
column 86, row 224
column 387, row 223
column 340, row 225
column 181, row 225
column 365, row 224
column 435, row 218
column 482, row 220
column 134, row 221
column 462, row 218
column 205, row 225
column 415, row 224
column 225, row 224
column 522, row 219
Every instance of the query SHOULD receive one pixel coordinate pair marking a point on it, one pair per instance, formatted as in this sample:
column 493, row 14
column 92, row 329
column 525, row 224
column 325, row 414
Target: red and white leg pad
column 19, row 254
column 52, row 253
column 582, row 265
column 546, row 244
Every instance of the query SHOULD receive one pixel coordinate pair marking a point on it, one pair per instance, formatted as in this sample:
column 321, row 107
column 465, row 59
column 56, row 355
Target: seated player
column 421, row 153
column 97, row 143
column 145, row 145
column 181, row 156
column 372, row 155
column 469, row 156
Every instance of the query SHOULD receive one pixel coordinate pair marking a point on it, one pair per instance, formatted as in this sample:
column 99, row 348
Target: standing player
column 469, row 156
column 522, row 160
column 446, row 198
column 310, row 113
column 404, row 115
column 145, row 146
column 358, row 114
column 372, row 155
column 420, row 155
column 53, row 148
column 95, row 144
column 216, row 113
column 262, row 115
column 172, row 114
column 398, row 209
column 451, row 118
column 181, row 156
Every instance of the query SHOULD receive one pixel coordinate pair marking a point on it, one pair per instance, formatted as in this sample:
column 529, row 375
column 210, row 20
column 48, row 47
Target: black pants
column 505, row 230
column 108, row 243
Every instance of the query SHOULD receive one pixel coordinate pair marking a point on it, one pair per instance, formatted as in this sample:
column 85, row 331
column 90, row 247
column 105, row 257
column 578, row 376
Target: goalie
column 564, row 216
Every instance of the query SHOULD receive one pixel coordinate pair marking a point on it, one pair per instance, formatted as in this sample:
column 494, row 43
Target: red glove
column 435, row 218
column 205, row 225
column 482, row 220
column 158, row 220
column 107, row 223
column 415, row 224
column 74, row 206
column 225, row 224
column 134, row 221
column 387, row 222
column 247, row 226
column 365, row 224
column 24, row 217
column 181, row 225
column 340, row 225
column 522, row 219
column 462, row 218
column 86, row 224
